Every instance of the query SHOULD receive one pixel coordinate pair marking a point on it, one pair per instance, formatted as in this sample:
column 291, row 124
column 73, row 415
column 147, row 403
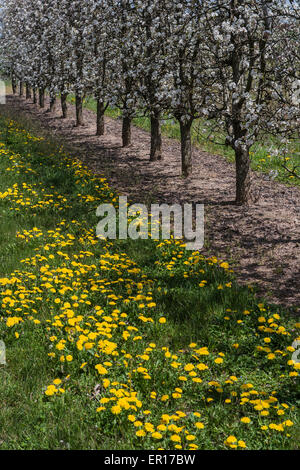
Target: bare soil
column 261, row 241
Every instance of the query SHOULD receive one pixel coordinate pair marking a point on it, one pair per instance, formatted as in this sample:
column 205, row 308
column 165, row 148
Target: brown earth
column 261, row 241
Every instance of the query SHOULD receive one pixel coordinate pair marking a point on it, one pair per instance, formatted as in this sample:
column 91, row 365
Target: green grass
column 48, row 251
column 267, row 156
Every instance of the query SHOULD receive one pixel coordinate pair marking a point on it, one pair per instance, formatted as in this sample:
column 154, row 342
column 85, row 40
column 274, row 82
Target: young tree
column 153, row 84
column 98, row 38
column 62, row 51
column 73, row 16
column 187, row 58
column 246, row 48
column 124, row 64
column 12, row 47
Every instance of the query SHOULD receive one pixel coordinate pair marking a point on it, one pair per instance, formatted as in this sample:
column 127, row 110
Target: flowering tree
column 252, row 95
column 73, row 13
column 187, row 63
column 124, row 63
column 8, row 47
column 37, row 57
column 170, row 47
column 100, row 53
column 232, row 62
column 288, row 73
column 153, row 82
column 12, row 44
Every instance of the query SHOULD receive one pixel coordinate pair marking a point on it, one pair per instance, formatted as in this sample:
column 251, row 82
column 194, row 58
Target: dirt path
column 261, row 241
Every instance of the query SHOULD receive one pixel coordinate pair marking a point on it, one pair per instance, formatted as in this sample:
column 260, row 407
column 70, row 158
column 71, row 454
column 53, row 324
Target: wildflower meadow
column 126, row 344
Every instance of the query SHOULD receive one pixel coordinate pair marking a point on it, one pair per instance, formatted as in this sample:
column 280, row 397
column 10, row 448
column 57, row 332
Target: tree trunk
column 126, row 131
column 243, row 180
column 14, row 84
column 100, row 117
column 79, row 105
column 64, row 105
column 42, row 97
column 28, row 92
column 156, row 140
column 21, row 88
column 52, row 103
column 34, row 96
column 186, row 147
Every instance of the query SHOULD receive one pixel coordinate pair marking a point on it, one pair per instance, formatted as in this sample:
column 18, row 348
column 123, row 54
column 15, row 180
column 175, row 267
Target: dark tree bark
column 239, row 132
column 243, row 177
column 100, row 117
column 21, row 88
column 28, row 92
column 79, row 106
column 42, row 97
column 14, row 83
column 186, row 147
column 53, row 103
column 64, row 105
column 156, row 140
column 126, row 131
column 34, row 95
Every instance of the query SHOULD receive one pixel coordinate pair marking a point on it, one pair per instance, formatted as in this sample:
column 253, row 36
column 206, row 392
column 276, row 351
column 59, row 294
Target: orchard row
column 234, row 64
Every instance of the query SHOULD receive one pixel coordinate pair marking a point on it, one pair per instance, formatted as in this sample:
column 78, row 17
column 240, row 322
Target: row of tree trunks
column 156, row 138
column 38, row 96
column 242, row 159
